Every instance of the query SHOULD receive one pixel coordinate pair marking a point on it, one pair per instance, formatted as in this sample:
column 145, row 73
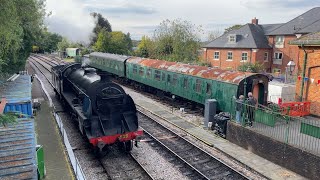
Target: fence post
column 287, row 117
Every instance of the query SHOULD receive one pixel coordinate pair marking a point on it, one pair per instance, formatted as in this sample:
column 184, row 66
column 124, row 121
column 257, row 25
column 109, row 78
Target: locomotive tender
column 191, row 82
column 104, row 112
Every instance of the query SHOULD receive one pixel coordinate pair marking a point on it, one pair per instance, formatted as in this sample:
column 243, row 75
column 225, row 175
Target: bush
column 250, row 67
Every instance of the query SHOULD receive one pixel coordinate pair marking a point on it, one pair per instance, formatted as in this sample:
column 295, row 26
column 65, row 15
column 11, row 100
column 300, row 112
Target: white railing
column 74, row 161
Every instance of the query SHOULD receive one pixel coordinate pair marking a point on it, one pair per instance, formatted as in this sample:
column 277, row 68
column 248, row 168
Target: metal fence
column 74, row 161
column 301, row 132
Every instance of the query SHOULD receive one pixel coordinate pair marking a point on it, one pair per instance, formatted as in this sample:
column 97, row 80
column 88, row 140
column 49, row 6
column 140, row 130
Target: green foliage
column 100, row 24
column 250, row 67
column 8, row 118
column 21, row 23
column 63, row 44
column 113, row 42
column 145, row 47
column 176, row 40
column 84, row 51
column 234, row 27
column 103, row 41
column 48, row 42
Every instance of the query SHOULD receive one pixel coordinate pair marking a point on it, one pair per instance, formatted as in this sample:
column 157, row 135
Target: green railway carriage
column 72, row 52
column 197, row 83
column 112, row 63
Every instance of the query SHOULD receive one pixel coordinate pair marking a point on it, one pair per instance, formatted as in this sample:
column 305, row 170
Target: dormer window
column 232, row 38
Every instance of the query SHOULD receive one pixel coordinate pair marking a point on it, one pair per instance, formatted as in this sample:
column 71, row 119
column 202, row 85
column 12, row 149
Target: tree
column 234, row 27
column 63, row 44
column 103, row 41
column 21, row 23
column 177, row 40
column 113, row 42
column 48, row 41
column 145, row 47
column 100, row 23
column 212, row 35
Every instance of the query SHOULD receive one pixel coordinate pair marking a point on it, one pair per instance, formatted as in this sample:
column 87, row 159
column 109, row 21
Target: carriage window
column 148, row 72
column 163, row 76
column 157, row 75
column 141, row 71
column 169, row 78
column 198, row 85
column 175, row 79
column 135, row 69
column 185, row 83
column 208, row 91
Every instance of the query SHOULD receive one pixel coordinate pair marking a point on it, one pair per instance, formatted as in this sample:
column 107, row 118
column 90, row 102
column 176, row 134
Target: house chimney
column 254, row 21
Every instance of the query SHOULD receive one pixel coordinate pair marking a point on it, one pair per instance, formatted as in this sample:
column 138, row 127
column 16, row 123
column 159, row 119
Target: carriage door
column 258, row 93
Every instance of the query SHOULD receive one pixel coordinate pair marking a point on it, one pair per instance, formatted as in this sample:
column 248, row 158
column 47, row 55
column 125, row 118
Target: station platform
column 55, row 157
column 264, row 167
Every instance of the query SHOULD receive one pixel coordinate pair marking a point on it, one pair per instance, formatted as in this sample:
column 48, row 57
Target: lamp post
column 291, row 65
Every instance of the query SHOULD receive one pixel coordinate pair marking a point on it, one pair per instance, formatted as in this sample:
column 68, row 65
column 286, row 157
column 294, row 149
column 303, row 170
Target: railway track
column 116, row 164
column 189, row 158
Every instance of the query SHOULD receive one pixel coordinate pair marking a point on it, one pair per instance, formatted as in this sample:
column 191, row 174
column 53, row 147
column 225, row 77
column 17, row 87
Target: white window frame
column 279, row 41
column 232, row 38
column 214, row 55
column 243, row 56
column 276, row 57
column 266, row 58
column 228, row 59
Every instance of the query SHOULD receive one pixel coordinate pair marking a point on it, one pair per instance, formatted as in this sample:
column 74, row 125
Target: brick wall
column 311, row 91
column 222, row 63
column 297, row 160
column 290, row 52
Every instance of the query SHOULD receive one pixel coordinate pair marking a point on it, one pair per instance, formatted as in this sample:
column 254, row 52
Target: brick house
column 267, row 44
column 308, row 83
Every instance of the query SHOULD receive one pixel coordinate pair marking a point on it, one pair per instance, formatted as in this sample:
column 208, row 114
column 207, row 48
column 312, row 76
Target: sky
column 71, row 18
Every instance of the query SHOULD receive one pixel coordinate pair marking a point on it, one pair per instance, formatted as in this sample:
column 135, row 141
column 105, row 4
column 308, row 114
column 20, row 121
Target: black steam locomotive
column 104, row 112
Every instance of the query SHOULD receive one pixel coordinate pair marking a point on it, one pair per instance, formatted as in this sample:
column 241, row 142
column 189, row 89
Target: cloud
column 280, row 4
column 121, row 9
column 69, row 18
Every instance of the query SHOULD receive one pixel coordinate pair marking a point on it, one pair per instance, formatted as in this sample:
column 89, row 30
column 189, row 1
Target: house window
column 208, row 91
column 216, row 55
column 175, row 79
column 135, row 69
column 278, row 55
column 244, row 56
column 277, row 59
column 185, row 83
column 149, row 73
column 229, row 56
column 266, row 54
column 279, row 41
column 157, row 75
column 198, row 85
column 141, row 71
column 232, row 38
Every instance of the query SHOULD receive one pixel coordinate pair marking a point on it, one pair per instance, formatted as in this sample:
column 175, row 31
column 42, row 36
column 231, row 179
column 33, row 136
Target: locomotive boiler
column 105, row 114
